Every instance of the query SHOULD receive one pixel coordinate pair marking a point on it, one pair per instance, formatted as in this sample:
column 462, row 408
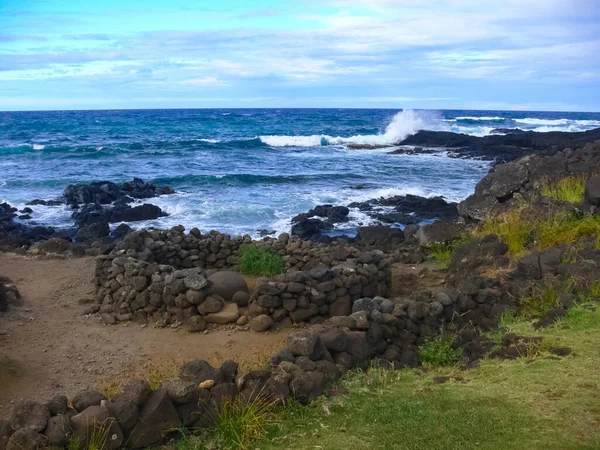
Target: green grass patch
column 544, row 404
column 258, row 261
column 438, row 352
column 240, row 423
column 441, row 255
column 568, row 189
column 525, row 232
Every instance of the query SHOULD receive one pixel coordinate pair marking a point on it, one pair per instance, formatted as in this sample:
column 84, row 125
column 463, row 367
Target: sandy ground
column 59, row 350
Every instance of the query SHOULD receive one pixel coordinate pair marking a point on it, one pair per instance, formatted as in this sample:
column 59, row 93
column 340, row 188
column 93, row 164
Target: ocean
column 244, row 170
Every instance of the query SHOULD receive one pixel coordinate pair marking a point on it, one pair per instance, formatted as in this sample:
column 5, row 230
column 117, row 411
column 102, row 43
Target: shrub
column 568, row 189
column 240, row 423
column 544, row 231
column 510, row 229
column 437, row 352
column 441, row 254
column 544, row 298
column 96, row 440
column 258, row 261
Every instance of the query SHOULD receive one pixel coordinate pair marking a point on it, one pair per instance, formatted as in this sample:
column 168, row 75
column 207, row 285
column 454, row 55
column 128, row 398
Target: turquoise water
column 240, row 171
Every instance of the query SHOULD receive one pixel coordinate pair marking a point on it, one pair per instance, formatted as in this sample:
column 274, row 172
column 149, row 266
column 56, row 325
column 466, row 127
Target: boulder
column 195, row 324
column 380, row 236
column 121, row 231
column 477, row 207
column 230, row 313
column 58, row 405
column 226, row 283
column 136, row 214
column 127, row 414
column 133, row 391
column 181, row 391
column 306, row 343
column 334, row 339
column 26, row 439
column 342, row 306
column 303, row 314
column 29, row 414
column 95, row 423
column 241, row 298
column 58, row 430
column 158, row 417
column 261, row 323
column 93, row 231
column 200, row 371
column 85, row 399
column 504, row 179
column 592, row 192
column 211, row 304
column 439, row 233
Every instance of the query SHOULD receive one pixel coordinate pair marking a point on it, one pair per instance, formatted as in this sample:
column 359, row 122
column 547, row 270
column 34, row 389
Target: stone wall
column 161, row 277
column 137, row 416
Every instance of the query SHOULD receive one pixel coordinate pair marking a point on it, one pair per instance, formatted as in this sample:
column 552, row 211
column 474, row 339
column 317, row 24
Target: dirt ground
column 58, row 350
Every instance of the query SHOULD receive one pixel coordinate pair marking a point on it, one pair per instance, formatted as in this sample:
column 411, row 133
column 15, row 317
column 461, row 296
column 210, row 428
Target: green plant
column 544, row 298
column 436, row 352
column 258, row 261
column 510, row 228
column 568, row 189
column 520, row 228
column 97, row 439
column 239, row 423
column 441, row 254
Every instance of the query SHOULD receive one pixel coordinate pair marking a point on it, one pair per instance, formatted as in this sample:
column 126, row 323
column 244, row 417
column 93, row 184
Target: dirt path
column 58, row 350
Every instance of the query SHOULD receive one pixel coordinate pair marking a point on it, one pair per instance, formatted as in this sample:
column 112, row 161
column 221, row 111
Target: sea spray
column 403, row 124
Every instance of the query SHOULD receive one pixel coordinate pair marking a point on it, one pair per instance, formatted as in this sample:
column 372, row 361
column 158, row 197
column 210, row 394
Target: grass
column 237, row 426
column 541, row 301
column 153, row 372
column 441, row 254
column 97, row 439
column 438, row 352
column 258, row 261
column 568, row 189
column 523, row 232
column 544, row 404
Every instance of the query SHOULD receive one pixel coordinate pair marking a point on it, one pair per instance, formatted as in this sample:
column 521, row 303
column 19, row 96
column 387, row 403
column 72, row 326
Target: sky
column 432, row 54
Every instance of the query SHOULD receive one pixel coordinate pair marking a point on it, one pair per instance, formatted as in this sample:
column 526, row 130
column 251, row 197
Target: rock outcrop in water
column 500, row 147
column 400, row 209
column 98, row 204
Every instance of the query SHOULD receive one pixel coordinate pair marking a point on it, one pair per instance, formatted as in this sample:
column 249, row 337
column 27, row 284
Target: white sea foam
column 38, row 146
column 483, row 118
column 210, row 141
column 403, row 124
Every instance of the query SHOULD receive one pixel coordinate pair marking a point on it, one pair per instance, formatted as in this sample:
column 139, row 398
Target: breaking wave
column 403, row 124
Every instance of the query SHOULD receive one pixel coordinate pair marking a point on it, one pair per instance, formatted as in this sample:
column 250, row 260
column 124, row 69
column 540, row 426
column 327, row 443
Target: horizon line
column 293, row 108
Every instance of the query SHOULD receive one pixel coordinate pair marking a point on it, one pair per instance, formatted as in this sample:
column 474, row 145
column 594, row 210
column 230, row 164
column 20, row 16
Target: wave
column 483, row 118
column 403, row 124
column 558, row 122
column 239, row 179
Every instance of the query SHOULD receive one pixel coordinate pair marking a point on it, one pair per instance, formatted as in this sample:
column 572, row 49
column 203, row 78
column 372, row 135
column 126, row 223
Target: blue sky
column 462, row 54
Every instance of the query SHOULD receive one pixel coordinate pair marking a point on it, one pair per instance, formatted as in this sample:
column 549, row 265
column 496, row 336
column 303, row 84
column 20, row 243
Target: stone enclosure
column 168, row 278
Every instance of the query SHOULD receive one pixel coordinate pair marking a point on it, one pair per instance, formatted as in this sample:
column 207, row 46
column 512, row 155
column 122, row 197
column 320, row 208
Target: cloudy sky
column 462, row 54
